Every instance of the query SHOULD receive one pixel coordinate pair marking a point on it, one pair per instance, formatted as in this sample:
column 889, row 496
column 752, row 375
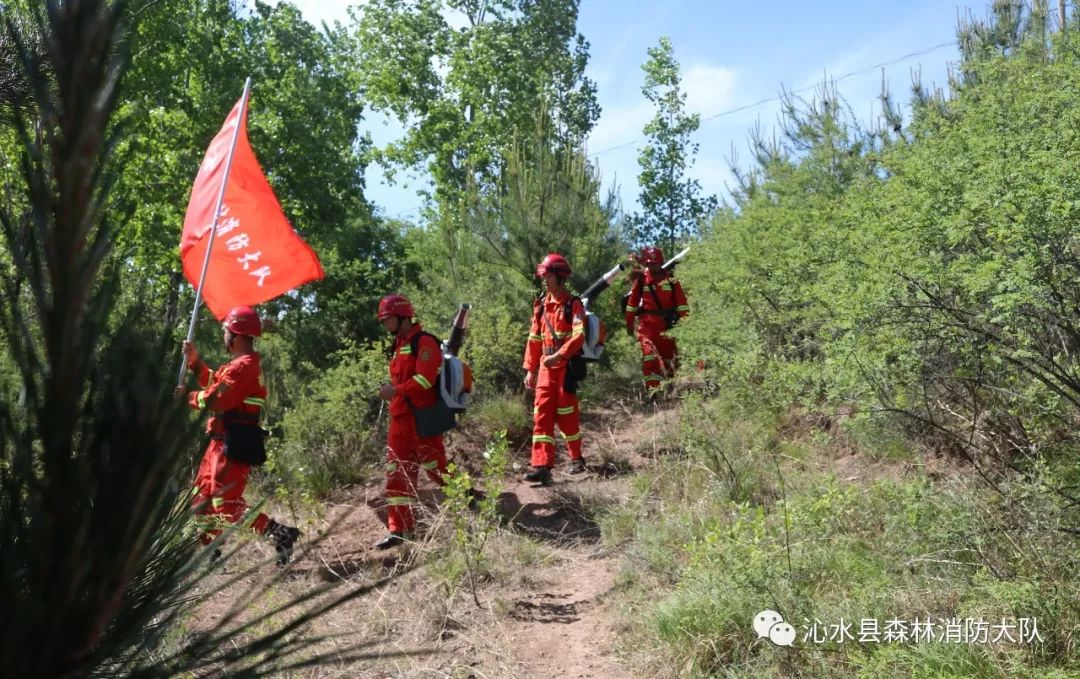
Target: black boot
column 283, row 538
column 541, row 475
column 392, row 539
column 577, row 466
column 475, row 497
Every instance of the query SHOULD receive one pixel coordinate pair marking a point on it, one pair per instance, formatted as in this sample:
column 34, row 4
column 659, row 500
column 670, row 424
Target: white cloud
column 709, row 89
column 713, row 173
column 455, row 19
column 609, row 69
column 619, row 125
column 851, row 60
column 618, row 135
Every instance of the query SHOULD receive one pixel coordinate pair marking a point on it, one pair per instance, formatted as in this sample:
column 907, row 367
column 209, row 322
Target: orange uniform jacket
column 571, row 332
column 237, row 385
column 643, row 302
column 414, row 377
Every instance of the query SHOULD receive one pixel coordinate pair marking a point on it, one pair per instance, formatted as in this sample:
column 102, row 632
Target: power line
column 747, row 107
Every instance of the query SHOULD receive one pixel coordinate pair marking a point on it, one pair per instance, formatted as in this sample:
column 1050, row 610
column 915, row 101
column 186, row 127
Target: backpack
column 454, row 396
column 595, row 332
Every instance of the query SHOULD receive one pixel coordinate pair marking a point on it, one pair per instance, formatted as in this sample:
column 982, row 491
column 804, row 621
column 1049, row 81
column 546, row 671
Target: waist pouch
column 577, row 369
column 434, row 420
column 245, row 440
column 670, row 316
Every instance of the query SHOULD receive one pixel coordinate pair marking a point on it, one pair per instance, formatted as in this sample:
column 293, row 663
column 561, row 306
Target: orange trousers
column 219, row 491
column 659, row 353
column 553, row 405
column 406, row 454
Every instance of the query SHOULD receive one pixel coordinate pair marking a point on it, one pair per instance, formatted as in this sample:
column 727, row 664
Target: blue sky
column 732, row 54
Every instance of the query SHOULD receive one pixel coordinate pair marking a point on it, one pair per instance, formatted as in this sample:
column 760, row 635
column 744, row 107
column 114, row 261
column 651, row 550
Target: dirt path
column 563, row 628
column 548, row 612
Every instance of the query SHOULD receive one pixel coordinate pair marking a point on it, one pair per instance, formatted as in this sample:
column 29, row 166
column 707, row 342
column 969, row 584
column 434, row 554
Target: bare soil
column 544, row 611
column 547, row 604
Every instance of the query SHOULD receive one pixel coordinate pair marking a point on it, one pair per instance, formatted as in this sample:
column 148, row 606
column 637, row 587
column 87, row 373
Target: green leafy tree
column 462, row 94
column 777, row 262
column 671, row 203
column 14, row 87
column 190, row 60
column 547, row 199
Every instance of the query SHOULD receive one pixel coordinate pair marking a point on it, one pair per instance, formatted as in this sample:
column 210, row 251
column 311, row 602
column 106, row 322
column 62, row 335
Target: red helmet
column 651, row 255
column 553, row 263
column 243, row 320
column 395, row 305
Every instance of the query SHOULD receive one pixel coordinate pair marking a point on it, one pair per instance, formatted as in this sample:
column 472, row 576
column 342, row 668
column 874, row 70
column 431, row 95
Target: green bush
column 742, row 521
column 834, row 551
column 332, row 434
column 502, row 413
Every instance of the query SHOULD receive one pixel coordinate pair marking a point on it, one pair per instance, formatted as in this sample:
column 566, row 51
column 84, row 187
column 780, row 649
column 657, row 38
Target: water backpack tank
column 595, row 335
column 455, row 382
column 455, row 393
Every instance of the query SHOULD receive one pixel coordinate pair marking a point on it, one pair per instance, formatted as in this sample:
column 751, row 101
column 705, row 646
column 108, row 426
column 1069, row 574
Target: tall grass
column 736, row 526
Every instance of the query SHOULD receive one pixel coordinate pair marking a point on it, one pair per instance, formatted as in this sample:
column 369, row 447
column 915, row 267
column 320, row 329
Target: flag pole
column 213, row 228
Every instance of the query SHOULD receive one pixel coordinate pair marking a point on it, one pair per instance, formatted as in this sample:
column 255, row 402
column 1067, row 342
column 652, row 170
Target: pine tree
column 549, row 200
column 99, row 563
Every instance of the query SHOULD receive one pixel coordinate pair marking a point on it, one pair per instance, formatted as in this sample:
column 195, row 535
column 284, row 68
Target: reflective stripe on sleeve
column 422, row 381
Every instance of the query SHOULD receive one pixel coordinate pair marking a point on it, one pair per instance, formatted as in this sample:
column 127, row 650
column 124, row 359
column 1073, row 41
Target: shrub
column 707, row 553
column 332, row 434
column 502, row 413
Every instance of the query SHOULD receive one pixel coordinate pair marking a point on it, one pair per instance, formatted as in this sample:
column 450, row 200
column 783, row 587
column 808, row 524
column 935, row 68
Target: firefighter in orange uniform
column 656, row 301
column 557, row 333
column 232, row 393
column 414, row 373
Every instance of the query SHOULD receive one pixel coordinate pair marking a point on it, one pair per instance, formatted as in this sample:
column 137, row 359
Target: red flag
column 256, row 255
